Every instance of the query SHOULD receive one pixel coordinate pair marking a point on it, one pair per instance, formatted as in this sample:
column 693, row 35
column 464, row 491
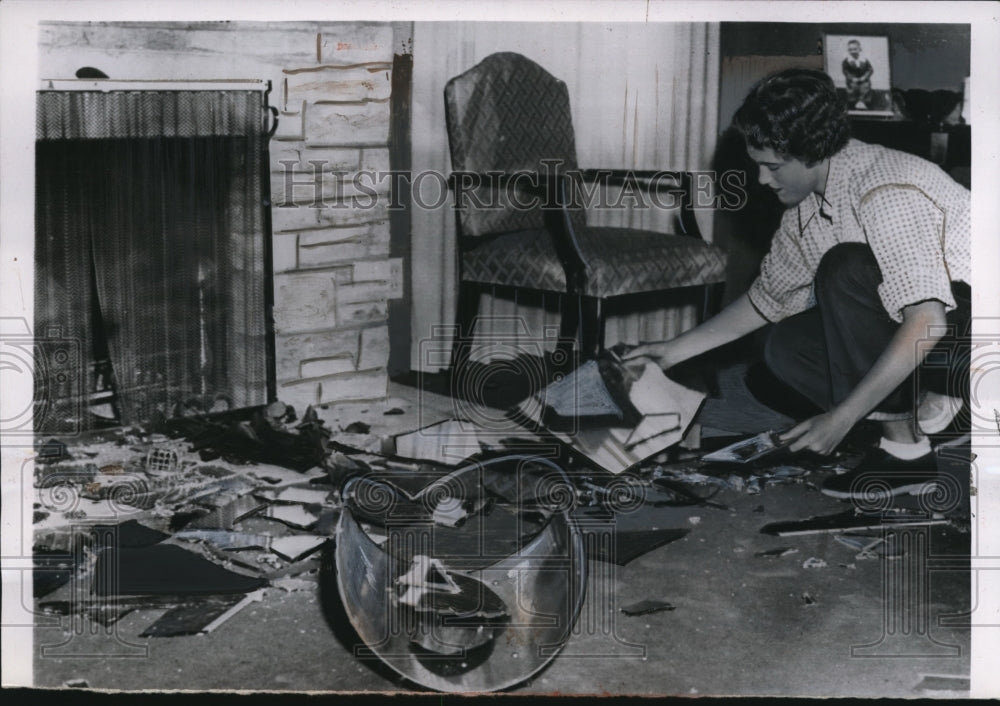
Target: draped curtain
column 150, row 249
column 643, row 96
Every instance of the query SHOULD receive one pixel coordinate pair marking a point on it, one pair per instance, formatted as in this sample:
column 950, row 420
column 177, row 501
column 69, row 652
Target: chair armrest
column 649, row 180
column 646, row 178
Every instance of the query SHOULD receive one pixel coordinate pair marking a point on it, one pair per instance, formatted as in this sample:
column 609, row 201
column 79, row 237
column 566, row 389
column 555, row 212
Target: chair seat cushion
column 622, row 261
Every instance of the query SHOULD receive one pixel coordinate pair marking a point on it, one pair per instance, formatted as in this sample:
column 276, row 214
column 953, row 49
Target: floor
column 817, row 619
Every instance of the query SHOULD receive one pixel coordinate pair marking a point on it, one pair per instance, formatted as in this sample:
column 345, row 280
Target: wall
column 333, row 275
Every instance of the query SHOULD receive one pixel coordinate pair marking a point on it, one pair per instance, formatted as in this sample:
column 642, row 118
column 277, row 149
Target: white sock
column 906, row 451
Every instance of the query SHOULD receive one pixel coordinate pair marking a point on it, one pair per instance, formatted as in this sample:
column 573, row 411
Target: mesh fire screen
column 150, row 252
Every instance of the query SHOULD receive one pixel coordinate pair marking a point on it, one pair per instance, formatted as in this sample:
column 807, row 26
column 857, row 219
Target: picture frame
column 860, row 68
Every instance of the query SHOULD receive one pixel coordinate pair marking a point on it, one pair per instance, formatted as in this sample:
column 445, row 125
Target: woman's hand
column 821, row 433
column 659, row 353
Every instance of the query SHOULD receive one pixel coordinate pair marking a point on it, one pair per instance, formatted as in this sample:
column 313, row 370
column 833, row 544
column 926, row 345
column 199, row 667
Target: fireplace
column 151, row 250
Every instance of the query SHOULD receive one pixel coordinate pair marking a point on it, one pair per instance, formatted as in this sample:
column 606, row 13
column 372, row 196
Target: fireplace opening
column 152, row 257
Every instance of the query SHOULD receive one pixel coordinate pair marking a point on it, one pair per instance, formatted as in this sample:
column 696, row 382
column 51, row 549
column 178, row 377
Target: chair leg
column 466, row 310
column 569, row 325
column 591, row 327
column 582, row 321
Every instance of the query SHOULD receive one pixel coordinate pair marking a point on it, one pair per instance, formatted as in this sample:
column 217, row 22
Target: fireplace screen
column 151, row 253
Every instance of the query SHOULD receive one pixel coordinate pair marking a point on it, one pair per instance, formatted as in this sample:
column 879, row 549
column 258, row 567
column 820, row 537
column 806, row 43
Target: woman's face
column 790, row 179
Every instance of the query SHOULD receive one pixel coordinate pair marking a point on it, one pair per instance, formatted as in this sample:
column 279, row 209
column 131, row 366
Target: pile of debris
column 198, row 520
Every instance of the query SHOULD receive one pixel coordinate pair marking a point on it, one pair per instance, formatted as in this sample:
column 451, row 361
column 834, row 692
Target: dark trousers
column 824, row 352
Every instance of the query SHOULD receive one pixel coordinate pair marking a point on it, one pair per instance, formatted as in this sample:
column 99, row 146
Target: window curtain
column 150, row 247
column 642, row 96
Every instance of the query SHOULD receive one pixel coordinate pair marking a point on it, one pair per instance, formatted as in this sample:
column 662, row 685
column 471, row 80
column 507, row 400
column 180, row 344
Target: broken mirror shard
column 855, row 520
column 164, row 569
column 621, row 537
column 746, row 450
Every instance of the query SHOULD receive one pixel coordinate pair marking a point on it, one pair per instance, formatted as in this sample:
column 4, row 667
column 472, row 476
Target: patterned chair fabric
column 507, row 114
column 623, row 261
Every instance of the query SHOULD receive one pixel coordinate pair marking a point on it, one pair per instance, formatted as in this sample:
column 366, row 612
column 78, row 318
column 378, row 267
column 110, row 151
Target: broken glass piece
column 228, row 515
column 224, row 539
column 646, row 607
column 126, row 534
column 624, row 546
column 191, row 618
column 293, row 515
column 622, row 537
column 306, row 496
column 164, row 569
column 278, row 477
column 50, row 571
column 254, row 597
column 944, row 682
column 296, row 547
column 854, row 520
column 780, row 551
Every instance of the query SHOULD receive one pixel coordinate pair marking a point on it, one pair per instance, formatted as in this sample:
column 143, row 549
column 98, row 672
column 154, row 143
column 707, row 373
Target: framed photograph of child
column 859, row 66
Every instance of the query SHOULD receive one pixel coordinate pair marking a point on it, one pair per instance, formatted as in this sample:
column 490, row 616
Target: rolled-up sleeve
column 784, row 285
column 905, row 230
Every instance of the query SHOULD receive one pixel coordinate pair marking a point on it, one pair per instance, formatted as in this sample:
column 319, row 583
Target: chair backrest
column 507, row 114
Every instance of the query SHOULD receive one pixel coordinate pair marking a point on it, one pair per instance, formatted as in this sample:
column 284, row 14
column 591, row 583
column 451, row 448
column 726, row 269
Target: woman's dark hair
column 797, row 113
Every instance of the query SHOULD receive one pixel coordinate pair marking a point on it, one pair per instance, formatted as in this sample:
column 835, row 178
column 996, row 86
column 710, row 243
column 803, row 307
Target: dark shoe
column 881, row 475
